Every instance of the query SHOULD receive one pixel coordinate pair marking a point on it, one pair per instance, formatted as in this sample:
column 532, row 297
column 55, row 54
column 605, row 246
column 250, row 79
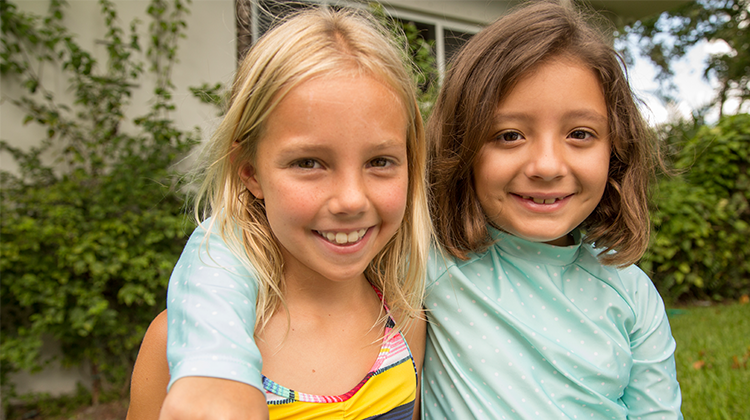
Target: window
column 255, row 17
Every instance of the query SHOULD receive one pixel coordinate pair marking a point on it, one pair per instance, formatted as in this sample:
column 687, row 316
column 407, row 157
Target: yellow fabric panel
column 382, row 393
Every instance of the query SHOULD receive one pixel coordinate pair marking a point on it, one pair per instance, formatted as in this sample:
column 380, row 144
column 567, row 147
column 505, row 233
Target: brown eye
column 509, row 136
column 581, row 134
column 306, row 163
column 379, row 162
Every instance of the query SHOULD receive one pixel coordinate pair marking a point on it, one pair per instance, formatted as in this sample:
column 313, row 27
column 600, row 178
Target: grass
column 713, row 360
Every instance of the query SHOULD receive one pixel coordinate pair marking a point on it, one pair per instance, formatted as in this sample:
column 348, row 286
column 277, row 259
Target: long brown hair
column 487, row 68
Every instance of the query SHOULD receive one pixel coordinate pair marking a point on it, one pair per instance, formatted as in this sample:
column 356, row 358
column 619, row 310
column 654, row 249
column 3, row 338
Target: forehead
column 337, row 110
column 564, row 82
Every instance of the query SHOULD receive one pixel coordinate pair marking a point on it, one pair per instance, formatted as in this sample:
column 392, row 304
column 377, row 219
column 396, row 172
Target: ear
column 250, row 178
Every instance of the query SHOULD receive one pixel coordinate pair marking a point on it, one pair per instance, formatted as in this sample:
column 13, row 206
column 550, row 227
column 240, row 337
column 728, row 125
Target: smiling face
column 331, row 168
column 544, row 168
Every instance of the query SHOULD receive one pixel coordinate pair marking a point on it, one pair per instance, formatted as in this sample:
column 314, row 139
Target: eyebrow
column 574, row 114
column 587, row 114
column 388, row 143
column 304, row 146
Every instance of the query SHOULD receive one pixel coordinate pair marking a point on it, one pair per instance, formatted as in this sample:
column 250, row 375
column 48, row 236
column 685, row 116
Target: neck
column 566, row 240
column 313, row 290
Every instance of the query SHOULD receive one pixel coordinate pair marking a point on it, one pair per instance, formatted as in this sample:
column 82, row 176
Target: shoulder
column 441, row 263
column 207, row 249
column 206, row 267
column 630, row 277
column 438, row 263
column 414, row 332
column 631, row 283
column 154, row 344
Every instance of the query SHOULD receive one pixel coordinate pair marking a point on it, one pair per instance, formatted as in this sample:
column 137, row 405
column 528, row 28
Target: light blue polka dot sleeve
column 211, row 314
column 652, row 390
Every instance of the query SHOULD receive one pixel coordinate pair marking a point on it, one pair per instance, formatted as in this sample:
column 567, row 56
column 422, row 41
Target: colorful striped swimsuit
column 387, row 392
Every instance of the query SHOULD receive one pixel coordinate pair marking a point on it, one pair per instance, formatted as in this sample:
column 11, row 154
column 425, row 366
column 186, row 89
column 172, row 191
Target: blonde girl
column 313, row 210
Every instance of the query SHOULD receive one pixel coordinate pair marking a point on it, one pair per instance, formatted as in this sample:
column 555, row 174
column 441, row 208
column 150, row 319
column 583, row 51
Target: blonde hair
column 313, row 43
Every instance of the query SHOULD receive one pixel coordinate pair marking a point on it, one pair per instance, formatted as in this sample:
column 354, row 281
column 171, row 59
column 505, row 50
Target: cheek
column 489, row 174
column 283, row 203
column 391, row 200
column 600, row 173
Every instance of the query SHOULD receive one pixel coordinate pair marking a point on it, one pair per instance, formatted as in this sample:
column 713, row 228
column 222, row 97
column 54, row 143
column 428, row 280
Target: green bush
column 420, row 53
column 700, row 247
column 90, row 239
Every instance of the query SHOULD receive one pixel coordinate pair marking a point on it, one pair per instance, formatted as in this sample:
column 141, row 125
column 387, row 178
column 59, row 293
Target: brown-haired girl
column 540, row 165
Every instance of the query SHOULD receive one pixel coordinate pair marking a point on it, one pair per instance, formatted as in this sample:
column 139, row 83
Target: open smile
column 541, row 200
column 342, row 238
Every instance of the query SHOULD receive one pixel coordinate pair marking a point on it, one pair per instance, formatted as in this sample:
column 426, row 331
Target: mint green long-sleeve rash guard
column 534, row 331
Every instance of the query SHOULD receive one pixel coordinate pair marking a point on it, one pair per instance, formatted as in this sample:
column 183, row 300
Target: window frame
column 440, row 24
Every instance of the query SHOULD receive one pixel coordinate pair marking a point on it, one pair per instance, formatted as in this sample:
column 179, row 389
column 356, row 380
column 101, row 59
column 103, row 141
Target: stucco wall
column 206, row 55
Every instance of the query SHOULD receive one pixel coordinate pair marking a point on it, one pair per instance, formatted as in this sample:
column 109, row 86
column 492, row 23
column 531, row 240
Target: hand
column 201, row 398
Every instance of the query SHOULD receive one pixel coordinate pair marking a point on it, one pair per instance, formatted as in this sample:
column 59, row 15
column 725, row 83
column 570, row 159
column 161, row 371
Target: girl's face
column 545, row 166
column 332, row 170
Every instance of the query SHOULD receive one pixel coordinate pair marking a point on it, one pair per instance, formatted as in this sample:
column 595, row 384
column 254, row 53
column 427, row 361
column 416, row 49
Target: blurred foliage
column 211, row 94
column 668, row 37
column 421, row 54
column 92, row 222
column 700, row 246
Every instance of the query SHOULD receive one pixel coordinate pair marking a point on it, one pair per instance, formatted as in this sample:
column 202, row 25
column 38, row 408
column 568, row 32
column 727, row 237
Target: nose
column 546, row 160
column 349, row 195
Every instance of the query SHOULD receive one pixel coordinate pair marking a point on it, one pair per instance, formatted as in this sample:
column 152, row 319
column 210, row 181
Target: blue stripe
column 402, row 412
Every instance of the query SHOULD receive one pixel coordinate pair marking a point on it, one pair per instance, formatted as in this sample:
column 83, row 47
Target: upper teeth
column 541, row 200
column 343, row 238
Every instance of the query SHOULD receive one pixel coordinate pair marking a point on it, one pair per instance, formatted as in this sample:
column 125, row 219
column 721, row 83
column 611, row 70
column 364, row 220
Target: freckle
column 313, row 370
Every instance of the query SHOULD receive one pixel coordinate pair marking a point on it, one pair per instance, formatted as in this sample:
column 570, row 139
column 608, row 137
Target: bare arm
column 213, row 398
column 190, row 398
column 148, row 387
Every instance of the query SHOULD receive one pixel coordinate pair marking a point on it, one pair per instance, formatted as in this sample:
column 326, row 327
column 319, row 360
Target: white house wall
column 206, row 55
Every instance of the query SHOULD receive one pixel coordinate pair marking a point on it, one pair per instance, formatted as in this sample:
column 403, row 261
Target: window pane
column 454, row 40
column 269, row 11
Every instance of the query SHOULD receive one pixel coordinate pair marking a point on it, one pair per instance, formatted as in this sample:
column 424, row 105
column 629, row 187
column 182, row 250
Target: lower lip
column 347, row 248
column 530, row 205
